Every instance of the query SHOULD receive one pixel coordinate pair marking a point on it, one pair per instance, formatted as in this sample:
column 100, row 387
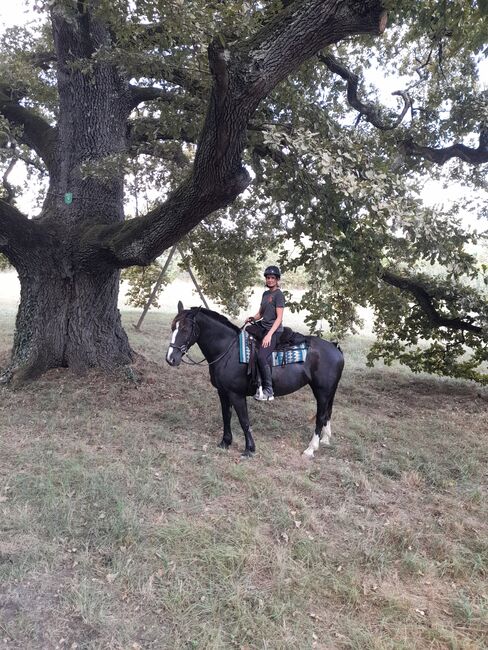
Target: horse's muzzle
column 173, row 357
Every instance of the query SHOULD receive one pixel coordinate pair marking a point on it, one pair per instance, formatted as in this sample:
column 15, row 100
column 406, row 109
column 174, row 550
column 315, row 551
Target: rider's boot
column 265, row 393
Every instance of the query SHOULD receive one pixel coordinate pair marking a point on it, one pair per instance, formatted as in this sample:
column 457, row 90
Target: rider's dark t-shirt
column 269, row 302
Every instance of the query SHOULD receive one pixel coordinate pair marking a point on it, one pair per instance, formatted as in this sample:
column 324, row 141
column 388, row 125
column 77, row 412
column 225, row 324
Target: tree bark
column 68, row 315
column 67, row 322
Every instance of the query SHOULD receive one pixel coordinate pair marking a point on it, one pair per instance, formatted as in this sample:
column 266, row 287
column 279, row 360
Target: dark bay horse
column 217, row 338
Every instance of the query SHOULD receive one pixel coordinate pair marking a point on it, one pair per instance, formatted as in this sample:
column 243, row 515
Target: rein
column 184, row 348
column 192, row 362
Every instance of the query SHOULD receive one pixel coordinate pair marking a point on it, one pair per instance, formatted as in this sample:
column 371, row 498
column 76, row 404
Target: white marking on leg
column 173, row 339
column 326, row 434
column 313, row 445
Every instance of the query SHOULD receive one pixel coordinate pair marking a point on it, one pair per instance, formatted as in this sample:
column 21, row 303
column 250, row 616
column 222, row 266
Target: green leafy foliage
column 142, row 281
column 405, row 334
column 223, row 256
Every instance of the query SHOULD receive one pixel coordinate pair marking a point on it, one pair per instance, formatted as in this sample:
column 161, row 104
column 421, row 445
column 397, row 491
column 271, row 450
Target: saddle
column 292, row 348
column 288, row 338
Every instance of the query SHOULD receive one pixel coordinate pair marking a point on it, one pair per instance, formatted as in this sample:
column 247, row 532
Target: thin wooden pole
column 198, row 288
column 155, row 290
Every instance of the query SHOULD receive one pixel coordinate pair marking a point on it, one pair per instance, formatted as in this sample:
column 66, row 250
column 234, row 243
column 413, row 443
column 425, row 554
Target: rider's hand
column 250, row 319
column 266, row 341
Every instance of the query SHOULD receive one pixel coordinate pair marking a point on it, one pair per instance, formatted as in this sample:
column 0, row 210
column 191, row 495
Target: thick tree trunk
column 67, row 322
column 68, row 312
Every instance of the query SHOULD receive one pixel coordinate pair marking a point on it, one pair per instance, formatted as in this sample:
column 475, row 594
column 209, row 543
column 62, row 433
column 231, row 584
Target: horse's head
column 184, row 334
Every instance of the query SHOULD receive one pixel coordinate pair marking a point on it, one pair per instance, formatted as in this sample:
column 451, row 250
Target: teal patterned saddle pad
column 293, row 354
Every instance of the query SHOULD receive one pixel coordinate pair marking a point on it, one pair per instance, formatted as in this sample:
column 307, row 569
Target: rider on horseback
column 269, row 327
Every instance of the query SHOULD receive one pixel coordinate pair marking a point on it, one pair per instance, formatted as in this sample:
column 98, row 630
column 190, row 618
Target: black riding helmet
column 272, row 270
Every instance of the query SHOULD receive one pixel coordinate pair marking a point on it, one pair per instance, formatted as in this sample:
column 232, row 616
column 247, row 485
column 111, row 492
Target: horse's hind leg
column 240, row 405
column 326, row 433
column 322, row 433
column 226, row 406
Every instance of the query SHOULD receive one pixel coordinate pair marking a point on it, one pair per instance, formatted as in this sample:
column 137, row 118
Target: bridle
column 195, row 332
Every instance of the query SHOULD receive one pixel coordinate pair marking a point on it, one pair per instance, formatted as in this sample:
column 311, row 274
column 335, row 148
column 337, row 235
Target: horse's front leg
column 226, row 405
column 240, row 404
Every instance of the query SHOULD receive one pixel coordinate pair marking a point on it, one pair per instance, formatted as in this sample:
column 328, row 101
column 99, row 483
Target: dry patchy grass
column 123, row 526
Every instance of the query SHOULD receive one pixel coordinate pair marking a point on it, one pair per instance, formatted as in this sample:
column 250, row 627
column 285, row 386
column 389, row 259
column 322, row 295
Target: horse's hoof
column 223, row 445
column 308, row 453
column 247, row 454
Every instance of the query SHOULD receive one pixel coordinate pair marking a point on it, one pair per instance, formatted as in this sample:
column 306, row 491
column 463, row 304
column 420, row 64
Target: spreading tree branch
column 43, row 60
column 19, row 236
column 368, row 111
column 261, row 151
column 171, row 152
column 37, row 133
column 242, row 76
column 141, row 94
column 371, row 114
column 146, row 130
column 177, row 76
column 266, row 151
column 30, row 162
column 470, row 155
column 159, row 35
column 9, row 190
column 425, row 302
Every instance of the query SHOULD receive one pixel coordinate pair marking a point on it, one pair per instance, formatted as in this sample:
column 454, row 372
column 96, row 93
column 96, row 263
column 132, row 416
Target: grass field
column 123, row 526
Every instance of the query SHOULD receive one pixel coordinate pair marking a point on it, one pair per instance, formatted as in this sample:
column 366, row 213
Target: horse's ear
column 180, row 306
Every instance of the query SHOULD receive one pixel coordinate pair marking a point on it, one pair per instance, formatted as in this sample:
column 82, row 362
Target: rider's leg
column 264, row 365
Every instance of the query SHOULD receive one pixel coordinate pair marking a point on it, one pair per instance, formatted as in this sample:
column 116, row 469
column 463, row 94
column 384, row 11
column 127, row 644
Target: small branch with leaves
column 370, row 112
column 426, row 303
column 471, row 155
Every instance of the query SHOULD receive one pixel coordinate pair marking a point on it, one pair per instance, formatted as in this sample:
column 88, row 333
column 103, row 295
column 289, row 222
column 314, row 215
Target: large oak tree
column 203, row 88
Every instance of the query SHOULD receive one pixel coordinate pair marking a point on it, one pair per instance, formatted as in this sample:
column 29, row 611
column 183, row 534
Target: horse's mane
column 218, row 317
